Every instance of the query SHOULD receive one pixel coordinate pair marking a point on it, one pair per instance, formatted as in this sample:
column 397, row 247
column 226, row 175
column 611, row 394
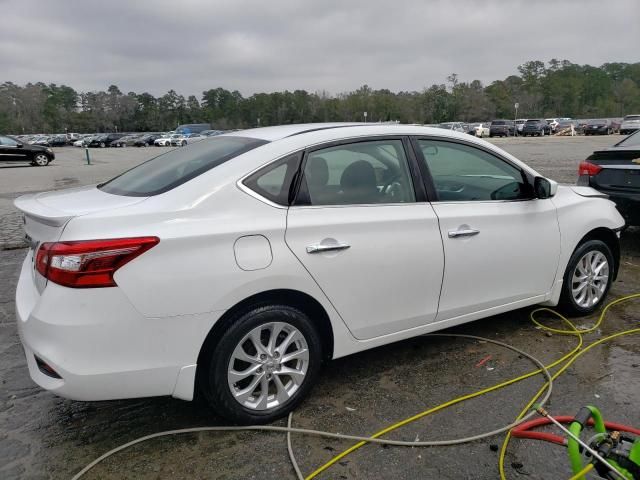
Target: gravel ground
column 46, row 437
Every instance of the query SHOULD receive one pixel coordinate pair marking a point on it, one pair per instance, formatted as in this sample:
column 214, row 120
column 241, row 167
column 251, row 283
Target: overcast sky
column 332, row 45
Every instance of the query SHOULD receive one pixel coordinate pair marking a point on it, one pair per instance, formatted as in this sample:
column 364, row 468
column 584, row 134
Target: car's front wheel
column 587, row 279
column 265, row 363
column 41, row 160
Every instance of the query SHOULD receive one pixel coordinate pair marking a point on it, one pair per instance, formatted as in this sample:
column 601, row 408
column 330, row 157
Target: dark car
column 615, row 171
column 599, row 127
column 14, row 150
column 126, row 140
column 536, row 127
column 105, row 140
column 502, row 128
column 58, row 141
column 146, row 140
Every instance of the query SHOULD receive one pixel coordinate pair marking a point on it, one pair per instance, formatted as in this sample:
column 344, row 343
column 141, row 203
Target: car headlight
column 49, row 150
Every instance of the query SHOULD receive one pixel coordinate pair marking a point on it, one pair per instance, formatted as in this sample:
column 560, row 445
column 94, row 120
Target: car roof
column 282, row 131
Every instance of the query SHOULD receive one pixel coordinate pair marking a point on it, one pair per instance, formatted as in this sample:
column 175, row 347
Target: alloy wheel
column 41, row 160
column 268, row 366
column 590, row 279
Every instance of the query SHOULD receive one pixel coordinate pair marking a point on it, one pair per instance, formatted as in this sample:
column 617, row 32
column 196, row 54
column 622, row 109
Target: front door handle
column 467, row 232
column 318, row 248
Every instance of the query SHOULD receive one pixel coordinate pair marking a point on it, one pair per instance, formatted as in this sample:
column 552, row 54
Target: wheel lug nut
column 276, row 355
column 259, row 370
column 263, row 357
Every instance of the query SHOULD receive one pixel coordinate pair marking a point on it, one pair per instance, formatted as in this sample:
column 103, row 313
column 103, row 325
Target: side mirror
column 19, row 145
column 544, row 188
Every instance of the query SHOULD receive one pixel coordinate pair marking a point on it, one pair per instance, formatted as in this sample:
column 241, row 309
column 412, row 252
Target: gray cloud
column 333, row 45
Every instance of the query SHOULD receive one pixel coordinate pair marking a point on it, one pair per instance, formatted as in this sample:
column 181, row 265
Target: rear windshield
column 165, row 172
column 533, row 121
column 632, row 117
column 498, row 122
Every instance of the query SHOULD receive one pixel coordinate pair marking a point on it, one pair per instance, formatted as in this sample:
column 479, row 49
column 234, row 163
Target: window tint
column 274, row 181
column 357, row 173
column 162, row 173
column 7, row 141
column 464, row 173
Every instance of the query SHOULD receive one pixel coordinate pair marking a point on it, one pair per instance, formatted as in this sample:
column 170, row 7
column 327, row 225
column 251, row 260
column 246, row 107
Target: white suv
column 241, row 263
column 630, row 124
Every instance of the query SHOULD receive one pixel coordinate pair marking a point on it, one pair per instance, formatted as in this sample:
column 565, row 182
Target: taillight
column 89, row 263
column 587, row 168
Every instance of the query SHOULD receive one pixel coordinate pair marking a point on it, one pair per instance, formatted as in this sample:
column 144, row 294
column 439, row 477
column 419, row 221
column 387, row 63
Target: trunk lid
column 46, row 215
column 620, row 169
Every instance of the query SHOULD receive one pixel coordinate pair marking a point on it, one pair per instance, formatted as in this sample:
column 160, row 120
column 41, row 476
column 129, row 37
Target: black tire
column 567, row 304
column 212, row 378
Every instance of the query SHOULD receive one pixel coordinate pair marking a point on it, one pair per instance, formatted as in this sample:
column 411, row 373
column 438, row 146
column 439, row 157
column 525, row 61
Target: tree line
column 557, row 88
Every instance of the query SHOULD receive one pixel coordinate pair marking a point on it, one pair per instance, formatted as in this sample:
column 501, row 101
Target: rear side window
column 273, row 182
column 165, row 172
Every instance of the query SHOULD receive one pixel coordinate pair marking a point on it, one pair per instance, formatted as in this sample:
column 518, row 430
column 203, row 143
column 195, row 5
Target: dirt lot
column 43, row 436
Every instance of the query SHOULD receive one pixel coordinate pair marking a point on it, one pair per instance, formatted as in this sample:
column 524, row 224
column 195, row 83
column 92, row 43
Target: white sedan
column 165, row 140
column 240, row 264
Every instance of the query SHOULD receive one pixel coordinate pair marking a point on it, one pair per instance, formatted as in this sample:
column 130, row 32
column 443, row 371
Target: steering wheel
column 392, row 185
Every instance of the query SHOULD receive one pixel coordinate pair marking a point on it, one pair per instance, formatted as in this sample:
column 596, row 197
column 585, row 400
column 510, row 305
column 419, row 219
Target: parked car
column 161, row 281
column 566, row 125
column 165, row 140
column 455, row 126
column 478, row 129
column 126, row 141
column 630, row 124
column 615, row 171
column 15, row 150
column 178, row 140
column 536, row 127
column 84, row 141
column 599, row 127
column 58, row 141
column 211, row 133
column 105, row 140
column 146, row 140
column 502, row 128
column 519, row 124
column 194, row 137
column 192, row 128
column 41, row 140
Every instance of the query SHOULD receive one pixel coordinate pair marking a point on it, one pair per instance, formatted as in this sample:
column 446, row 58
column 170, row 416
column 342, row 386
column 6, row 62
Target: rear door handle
column 467, row 232
column 318, row 248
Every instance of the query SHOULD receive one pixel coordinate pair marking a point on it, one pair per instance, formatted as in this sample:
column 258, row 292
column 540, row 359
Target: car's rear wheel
column 41, row 160
column 587, row 279
column 265, row 363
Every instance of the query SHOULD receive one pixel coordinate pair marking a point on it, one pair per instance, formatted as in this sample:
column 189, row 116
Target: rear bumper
column 101, row 346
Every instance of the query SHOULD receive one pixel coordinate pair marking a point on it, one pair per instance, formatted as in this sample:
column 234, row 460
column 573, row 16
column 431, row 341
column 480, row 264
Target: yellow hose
column 569, row 358
column 580, row 474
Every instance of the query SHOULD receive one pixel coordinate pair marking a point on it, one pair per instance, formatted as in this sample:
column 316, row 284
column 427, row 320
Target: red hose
column 523, row 430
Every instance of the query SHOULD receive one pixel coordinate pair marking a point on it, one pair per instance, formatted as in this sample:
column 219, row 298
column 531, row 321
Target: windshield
column 631, row 117
column 165, row 172
column 598, row 122
column 632, row 140
column 498, row 122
